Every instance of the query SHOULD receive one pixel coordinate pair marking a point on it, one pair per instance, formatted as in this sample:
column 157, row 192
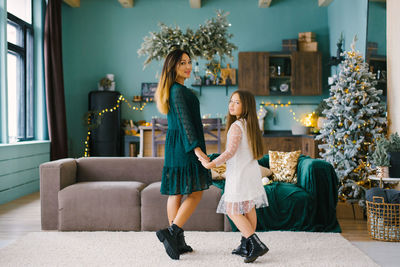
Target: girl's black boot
column 241, row 250
column 182, row 246
column 169, row 237
column 256, row 248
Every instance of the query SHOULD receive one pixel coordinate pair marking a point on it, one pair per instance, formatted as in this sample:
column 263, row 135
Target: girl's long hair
column 168, row 77
column 249, row 113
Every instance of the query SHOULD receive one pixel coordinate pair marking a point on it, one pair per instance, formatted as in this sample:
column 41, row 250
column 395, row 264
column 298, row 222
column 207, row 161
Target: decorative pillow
column 283, row 165
column 218, row 173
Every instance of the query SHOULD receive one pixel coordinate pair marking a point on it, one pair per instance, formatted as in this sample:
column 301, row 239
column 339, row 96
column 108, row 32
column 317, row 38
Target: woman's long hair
column 249, row 113
column 168, row 77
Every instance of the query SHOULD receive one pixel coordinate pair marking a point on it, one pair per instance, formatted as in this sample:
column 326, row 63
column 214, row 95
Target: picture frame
column 148, row 90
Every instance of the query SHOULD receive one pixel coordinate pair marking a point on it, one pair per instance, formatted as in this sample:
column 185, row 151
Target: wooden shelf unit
column 301, row 71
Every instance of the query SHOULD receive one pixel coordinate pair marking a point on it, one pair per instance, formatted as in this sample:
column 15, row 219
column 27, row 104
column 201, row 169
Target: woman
column 183, row 174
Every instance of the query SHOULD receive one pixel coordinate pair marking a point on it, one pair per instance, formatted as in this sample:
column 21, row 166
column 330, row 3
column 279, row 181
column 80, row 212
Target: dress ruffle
column 185, row 180
column 242, row 207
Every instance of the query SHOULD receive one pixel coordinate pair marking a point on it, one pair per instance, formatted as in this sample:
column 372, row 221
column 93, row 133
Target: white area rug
column 211, row 249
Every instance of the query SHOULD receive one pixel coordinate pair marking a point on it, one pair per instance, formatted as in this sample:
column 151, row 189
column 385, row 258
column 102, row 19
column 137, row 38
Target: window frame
column 26, row 110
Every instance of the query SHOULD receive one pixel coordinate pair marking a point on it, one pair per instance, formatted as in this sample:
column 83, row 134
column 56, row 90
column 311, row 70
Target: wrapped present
column 289, row 45
column 307, row 37
column 308, row 47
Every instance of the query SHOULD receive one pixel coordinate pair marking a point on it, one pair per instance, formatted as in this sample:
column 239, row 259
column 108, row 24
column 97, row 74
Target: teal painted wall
column 377, row 25
column 349, row 17
column 19, row 168
column 101, row 37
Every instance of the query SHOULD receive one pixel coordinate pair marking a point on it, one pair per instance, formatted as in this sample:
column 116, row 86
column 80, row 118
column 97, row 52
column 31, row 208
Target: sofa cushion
column 145, row 170
column 97, row 206
column 284, row 165
column 204, row 218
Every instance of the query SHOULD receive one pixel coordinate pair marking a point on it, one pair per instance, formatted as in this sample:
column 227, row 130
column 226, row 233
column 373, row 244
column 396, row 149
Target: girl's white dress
column 243, row 186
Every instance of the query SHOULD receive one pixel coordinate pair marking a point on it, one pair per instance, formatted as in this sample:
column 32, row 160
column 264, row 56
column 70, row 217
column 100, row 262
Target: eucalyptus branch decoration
column 158, row 44
column 213, row 38
column 209, row 40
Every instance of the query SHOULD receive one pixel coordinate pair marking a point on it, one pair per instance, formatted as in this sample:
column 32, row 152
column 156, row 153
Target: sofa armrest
column 54, row 176
column 318, row 178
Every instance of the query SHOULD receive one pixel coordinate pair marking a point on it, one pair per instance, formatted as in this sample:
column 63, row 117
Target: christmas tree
column 209, row 40
column 355, row 119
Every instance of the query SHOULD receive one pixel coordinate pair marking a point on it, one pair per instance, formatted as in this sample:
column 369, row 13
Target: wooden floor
column 19, row 217
column 22, row 216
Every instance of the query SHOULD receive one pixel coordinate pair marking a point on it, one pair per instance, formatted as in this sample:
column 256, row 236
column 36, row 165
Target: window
column 20, row 94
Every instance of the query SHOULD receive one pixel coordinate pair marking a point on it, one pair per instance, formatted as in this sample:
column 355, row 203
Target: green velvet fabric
column 309, row 205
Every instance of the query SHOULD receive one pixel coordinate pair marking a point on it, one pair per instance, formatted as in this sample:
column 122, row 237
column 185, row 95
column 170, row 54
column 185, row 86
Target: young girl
column 243, row 187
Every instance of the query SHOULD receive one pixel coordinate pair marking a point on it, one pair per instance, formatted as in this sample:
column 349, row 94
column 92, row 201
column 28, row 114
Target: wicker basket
column 383, row 220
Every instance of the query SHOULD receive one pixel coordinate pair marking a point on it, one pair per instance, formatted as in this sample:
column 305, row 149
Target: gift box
column 289, row 45
column 307, row 37
column 308, row 47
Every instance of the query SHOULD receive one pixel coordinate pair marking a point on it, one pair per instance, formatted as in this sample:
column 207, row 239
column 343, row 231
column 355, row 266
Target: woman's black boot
column 241, row 250
column 256, row 248
column 169, row 237
column 182, row 246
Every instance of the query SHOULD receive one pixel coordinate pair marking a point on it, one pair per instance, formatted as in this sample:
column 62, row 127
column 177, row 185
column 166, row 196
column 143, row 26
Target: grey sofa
column 114, row 194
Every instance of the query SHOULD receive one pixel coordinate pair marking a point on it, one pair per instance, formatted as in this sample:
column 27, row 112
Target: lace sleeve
column 234, row 138
column 186, row 122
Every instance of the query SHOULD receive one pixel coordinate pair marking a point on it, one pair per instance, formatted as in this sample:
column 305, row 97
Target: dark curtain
column 56, row 115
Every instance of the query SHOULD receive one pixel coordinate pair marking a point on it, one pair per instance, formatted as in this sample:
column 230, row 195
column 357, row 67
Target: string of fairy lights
column 307, row 121
column 121, row 99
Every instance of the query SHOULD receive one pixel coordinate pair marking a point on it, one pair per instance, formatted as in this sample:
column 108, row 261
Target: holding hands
column 205, row 161
column 207, row 165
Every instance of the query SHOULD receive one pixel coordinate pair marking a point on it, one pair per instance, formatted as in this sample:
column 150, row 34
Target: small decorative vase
column 298, row 129
column 382, row 172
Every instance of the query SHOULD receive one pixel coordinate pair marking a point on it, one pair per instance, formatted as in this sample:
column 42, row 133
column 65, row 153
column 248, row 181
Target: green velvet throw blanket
column 309, row 205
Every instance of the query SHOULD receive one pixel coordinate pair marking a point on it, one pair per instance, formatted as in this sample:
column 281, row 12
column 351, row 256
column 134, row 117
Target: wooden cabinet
column 307, row 73
column 253, row 72
column 295, row 73
column 307, row 145
column 285, row 144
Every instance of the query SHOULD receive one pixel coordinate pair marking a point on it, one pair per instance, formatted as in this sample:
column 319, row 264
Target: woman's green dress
column 183, row 172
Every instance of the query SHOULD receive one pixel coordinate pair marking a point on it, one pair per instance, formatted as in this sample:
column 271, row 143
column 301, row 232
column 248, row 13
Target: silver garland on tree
column 211, row 39
column 355, row 119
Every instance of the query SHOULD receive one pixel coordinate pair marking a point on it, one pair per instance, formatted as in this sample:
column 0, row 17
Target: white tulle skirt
column 242, row 207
